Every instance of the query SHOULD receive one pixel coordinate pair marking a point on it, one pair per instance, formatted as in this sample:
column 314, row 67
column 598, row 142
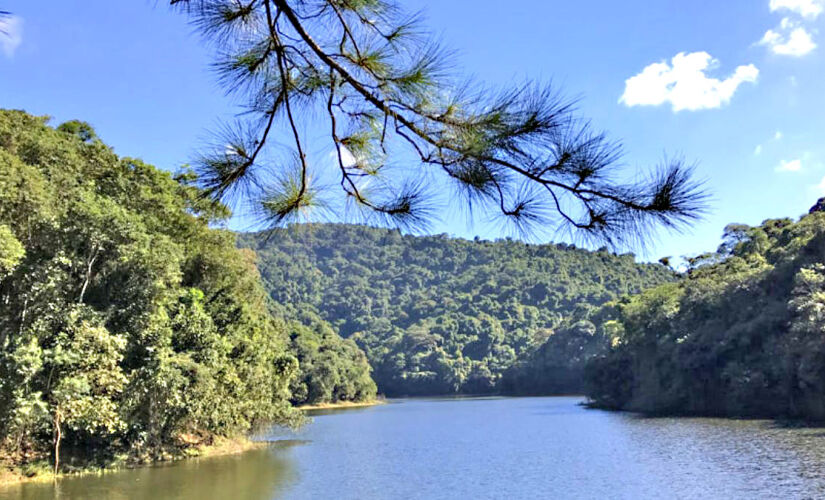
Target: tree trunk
column 23, row 315
column 58, row 435
column 88, row 278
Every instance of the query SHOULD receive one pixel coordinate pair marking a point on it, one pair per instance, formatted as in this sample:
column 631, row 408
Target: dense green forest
column 740, row 335
column 440, row 315
column 558, row 365
column 129, row 319
column 331, row 369
column 126, row 321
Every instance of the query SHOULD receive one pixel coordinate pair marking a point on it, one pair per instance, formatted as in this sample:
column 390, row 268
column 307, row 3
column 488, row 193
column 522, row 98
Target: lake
column 486, row 448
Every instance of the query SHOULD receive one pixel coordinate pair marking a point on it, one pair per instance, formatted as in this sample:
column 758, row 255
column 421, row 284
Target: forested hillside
column 741, row 335
column 440, row 315
column 126, row 322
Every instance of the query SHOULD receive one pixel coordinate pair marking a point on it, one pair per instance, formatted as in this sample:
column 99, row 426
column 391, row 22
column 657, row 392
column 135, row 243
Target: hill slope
column 439, row 315
column 742, row 335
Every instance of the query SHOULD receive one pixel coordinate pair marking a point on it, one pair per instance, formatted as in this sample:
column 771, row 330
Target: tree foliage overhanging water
column 741, row 335
column 126, row 322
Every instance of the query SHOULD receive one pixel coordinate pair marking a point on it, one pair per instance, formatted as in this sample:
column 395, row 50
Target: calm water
column 487, row 448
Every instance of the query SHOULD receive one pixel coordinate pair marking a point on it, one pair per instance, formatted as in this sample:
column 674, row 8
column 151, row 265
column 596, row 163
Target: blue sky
column 734, row 86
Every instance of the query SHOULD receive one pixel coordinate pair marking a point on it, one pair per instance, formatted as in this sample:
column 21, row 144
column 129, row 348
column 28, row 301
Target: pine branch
column 522, row 150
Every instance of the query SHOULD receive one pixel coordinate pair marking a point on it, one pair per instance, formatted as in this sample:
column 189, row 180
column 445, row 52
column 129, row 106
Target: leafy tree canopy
column 439, row 315
column 741, row 335
column 128, row 323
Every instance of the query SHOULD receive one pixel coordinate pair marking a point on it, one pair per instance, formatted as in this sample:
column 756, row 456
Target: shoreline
column 11, row 475
column 342, row 405
column 40, row 471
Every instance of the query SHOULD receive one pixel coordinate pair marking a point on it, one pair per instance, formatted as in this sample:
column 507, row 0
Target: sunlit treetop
column 404, row 127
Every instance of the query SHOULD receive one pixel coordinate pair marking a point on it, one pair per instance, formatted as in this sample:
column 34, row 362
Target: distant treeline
column 441, row 315
column 127, row 324
column 739, row 333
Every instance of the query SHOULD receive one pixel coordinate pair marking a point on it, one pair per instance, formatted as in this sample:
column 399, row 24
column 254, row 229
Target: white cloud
column 789, row 166
column 11, row 34
column 347, row 158
column 805, row 8
column 777, row 136
column 821, row 186
column 684, row 84
column 789, row 39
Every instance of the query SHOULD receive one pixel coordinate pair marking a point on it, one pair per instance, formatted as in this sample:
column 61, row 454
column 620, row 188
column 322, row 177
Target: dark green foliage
column 439, row 315
column 126, row 321
column 741, row 335
column 557, row 365
column 332, row 369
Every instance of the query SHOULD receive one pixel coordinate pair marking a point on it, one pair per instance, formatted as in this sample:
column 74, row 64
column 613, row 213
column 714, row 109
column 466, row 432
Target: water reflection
column 550, row 448
column 760, row 458
column 488, row 448
column 254, row 475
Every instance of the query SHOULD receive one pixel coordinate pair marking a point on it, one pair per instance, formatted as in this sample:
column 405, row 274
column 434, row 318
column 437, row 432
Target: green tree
column 85, row 380
column 739, row 335
column 11, row 251
column 331, row 369
column 129, row 324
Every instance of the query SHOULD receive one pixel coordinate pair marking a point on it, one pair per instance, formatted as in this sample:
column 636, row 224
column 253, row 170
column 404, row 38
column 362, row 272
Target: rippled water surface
column 487, row 448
